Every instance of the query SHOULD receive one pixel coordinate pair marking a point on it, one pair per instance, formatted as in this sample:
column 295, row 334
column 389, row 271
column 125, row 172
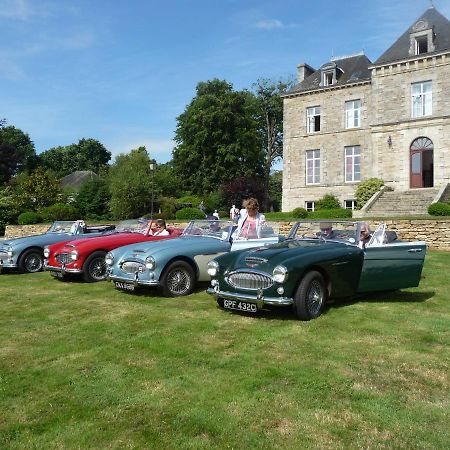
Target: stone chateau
column 353, row 119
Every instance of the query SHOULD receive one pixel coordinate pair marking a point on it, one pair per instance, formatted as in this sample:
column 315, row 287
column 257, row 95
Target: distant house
column 353, row 119
column 77, row 178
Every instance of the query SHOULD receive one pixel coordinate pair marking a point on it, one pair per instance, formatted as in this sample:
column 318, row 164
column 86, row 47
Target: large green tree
column 130, row 184
column 87, row 154
column 17, row 152
column 217, row 138
column 270, row 119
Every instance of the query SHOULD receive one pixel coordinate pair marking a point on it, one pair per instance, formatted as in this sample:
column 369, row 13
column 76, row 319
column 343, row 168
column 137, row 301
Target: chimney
column 304, row 71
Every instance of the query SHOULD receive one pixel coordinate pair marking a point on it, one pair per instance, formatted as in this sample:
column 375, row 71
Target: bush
column 299, row 213
column 439, row 209
column 189, row 214
column 59, row 211
column 337, row 213
column 328, row 201
column 366, row 189
column 29, row 218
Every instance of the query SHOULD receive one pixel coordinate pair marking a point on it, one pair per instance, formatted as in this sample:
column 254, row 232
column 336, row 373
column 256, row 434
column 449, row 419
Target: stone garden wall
column 435, row 232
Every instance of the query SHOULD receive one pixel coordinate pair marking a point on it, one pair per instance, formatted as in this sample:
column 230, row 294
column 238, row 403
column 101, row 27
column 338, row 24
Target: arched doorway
column 421, row 163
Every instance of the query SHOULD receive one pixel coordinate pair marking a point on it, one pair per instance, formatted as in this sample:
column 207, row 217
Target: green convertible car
column 318, row 261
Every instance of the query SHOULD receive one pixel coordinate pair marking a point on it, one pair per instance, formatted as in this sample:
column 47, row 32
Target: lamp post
column 152, row 171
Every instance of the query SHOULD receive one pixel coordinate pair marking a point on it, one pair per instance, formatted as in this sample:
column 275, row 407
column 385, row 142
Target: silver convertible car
column 176, row 265
column 27, row 253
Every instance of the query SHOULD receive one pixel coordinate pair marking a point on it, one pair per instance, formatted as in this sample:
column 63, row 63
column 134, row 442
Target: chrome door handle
column 414, row 250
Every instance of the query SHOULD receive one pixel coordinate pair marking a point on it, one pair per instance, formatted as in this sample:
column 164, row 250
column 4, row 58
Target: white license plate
column 124, row 286
column 240, row 306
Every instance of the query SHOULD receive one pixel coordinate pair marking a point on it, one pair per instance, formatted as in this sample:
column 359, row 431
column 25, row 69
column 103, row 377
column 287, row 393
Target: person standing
column 251, row 220
column 216, row 214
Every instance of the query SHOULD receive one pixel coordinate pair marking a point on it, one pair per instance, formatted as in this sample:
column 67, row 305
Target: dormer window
column 421, row 39
column 330, row 74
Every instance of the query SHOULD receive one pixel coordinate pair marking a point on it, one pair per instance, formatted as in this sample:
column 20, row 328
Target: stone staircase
column 403, row 203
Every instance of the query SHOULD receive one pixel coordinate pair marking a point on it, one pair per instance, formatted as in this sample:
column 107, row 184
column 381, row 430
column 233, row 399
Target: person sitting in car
column 161, row 229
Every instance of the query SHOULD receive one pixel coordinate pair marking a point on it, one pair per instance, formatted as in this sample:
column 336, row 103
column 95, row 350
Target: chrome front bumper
column 135, row 281
column 61, row 269
column 259, row 298
column 7, row 264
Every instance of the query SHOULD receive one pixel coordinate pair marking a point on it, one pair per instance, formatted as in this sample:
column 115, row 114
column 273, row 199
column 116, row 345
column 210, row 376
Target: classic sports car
column 177, row 265
column 26, row 253
column 87, row 256
column 316, row 262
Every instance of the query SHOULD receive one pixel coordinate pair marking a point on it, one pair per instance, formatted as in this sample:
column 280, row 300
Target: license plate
column 240, row 306
column 56, row 274
column 124, row 286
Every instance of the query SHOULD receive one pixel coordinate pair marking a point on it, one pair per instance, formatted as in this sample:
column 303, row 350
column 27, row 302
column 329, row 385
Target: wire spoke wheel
column 178, row 279
column 315, row 297
column 311, row 296
column 97, row 269
column 33, row 262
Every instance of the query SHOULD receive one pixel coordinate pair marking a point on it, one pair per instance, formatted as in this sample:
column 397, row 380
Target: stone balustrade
column 436, row 233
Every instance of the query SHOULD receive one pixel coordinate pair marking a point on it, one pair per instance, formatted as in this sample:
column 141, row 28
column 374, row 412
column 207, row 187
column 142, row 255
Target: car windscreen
column 133, row 226
column 61, row 226
column 258, row 231
column 326, row 230
column 219, row 229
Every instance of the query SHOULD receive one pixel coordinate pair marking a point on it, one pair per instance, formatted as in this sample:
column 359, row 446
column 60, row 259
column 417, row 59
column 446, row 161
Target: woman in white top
column 161, row 228
column 251, row 220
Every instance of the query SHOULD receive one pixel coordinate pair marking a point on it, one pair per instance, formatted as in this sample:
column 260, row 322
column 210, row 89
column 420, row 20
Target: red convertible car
column 86, row 256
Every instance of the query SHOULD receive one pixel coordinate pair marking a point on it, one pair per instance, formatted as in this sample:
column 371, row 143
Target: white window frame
column 350, row 204
column 421, row 99
column 311, row 122
column 418, row 40
column 352, row 159
column 328, row 78
column 312, row 161
column 310, row 205
column 353, row 113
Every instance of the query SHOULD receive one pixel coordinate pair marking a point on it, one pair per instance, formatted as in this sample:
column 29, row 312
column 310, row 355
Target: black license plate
column 240, row 306
column 124, row 286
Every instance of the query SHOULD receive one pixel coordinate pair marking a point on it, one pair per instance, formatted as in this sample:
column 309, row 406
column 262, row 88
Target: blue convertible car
column 27, row 253
column 176, row 265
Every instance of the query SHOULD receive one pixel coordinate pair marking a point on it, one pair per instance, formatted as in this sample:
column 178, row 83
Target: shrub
column 337, row 213
column 299, row 213
column 439, row 209
column 189, row 214
column 59, row 211
column 29, row 218
column 366, row 189
column 328, row 201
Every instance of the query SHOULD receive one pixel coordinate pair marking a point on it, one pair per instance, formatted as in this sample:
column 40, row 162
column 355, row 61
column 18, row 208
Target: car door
column 396, row 265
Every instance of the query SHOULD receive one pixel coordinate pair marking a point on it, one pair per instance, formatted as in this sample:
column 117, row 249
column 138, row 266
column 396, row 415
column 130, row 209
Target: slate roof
column 77, row 178
column 400, row 49
column 353, row 69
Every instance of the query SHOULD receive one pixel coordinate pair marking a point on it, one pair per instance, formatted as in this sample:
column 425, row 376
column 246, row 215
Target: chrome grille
column 132, row 267
column 249, row 280
column 64, row 258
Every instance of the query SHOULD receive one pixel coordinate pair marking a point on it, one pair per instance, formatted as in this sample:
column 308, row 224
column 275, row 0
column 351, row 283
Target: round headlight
column 150, row 263
column 213, row 268
column 10, row 251
column 109, row 259
column 280, row 274
column 74, row 255
column 46, row 252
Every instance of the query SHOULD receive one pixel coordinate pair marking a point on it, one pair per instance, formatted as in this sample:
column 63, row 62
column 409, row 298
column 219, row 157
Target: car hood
column 176, row 246
column 30, row 240
column 266, row 258
column 107, row 242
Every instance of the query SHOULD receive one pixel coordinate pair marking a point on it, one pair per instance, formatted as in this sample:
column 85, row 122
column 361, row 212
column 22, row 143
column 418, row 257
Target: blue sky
column 121, row 71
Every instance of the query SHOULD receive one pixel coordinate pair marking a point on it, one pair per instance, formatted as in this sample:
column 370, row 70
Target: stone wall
column 434, row 232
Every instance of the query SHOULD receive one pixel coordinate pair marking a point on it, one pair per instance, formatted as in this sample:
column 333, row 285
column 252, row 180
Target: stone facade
column 387, row 129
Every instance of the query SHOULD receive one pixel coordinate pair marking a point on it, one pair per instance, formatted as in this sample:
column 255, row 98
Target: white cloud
column 159, row 149
column 269, row 24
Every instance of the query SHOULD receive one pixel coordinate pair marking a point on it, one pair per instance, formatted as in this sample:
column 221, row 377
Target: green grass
column 86, row 366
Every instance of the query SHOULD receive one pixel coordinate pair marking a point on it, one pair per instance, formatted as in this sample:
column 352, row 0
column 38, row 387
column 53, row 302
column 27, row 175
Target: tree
column 167, row 182
column 35, row 191
column 217, row 138
column 270, row 118
column 92, row 200
column 242, row 188
column 130, row 185
column 88, row 154
column 17, row 151
column 275, row 190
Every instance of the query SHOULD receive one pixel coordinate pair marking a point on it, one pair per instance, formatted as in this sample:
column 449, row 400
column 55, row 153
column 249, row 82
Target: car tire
column 178, row 279
column 94, row 268
column 311, row 296
column 31, row 261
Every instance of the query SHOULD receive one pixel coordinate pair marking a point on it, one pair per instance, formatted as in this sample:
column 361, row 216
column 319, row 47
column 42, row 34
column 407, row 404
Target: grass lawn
column 86, row 366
